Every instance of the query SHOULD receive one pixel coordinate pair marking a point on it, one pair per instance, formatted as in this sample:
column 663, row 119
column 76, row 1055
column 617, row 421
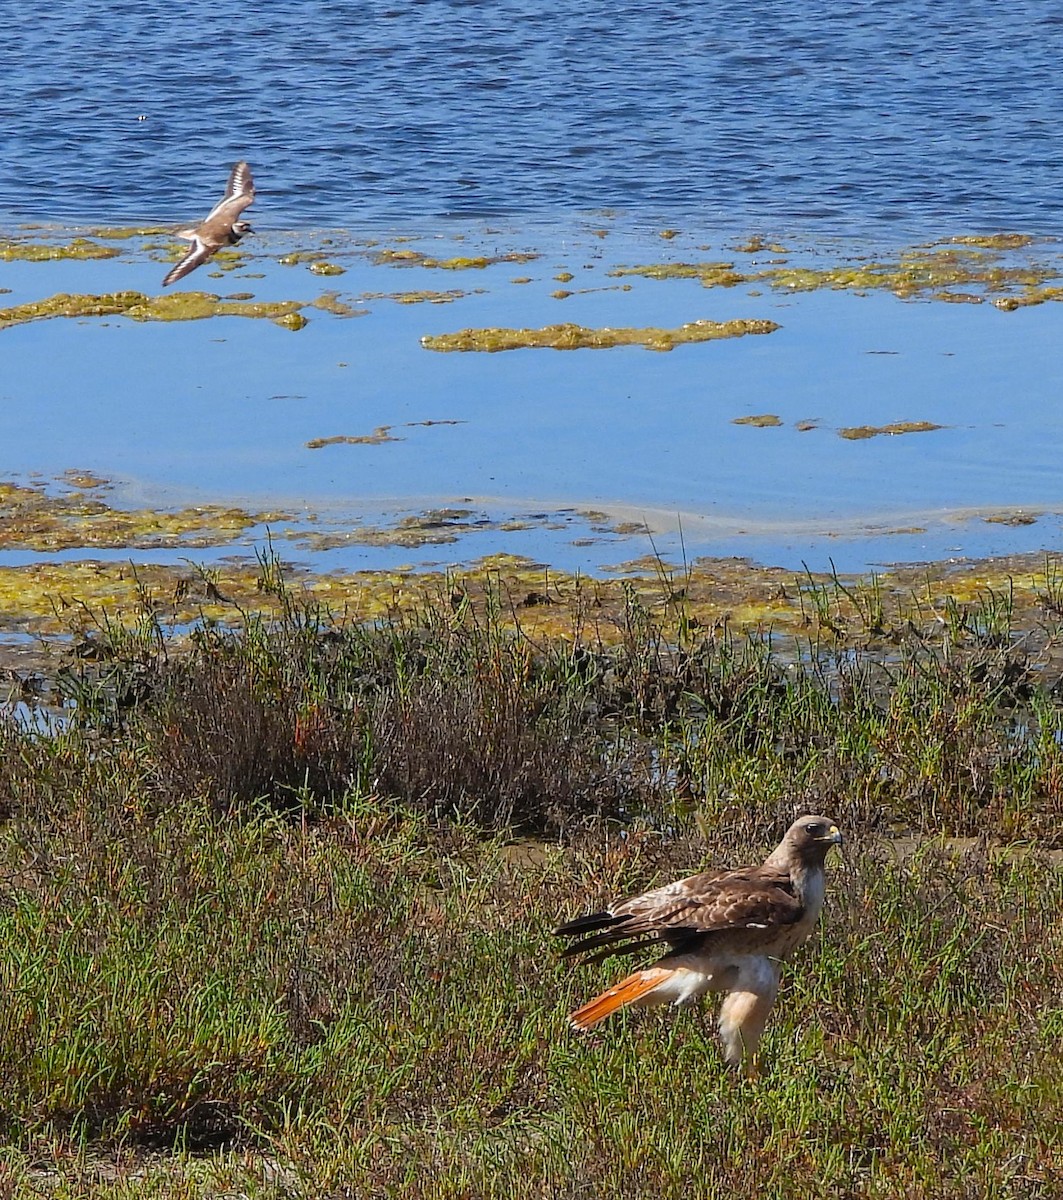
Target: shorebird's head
column 240, row 228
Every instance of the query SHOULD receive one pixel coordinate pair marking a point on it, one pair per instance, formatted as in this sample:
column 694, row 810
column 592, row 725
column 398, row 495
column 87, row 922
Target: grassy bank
column 275, row 910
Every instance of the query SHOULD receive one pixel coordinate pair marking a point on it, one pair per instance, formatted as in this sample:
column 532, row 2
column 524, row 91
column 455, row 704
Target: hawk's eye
column 815, row 829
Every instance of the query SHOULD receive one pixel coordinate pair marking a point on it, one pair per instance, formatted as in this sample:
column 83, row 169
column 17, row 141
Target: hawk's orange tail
column 626, row 992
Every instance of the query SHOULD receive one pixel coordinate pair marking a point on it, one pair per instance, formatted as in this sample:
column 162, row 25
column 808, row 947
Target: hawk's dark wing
column 755, row 899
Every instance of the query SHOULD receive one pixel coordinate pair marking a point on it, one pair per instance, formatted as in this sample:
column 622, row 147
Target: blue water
column 843, row 130
column 844, row 117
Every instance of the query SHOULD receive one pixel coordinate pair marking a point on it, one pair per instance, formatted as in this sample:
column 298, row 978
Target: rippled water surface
column 852, row 114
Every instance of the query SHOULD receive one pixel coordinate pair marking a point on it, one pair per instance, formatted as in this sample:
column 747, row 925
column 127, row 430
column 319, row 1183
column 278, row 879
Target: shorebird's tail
column 628, row 991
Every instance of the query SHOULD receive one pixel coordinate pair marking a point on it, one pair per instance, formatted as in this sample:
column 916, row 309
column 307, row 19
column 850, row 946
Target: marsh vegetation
column 276, row 904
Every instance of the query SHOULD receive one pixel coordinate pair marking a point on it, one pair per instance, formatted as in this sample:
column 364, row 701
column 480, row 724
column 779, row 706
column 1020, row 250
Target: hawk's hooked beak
column 834, row 835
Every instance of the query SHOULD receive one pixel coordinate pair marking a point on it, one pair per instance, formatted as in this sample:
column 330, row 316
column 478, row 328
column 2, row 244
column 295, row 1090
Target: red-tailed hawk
column 728, row 931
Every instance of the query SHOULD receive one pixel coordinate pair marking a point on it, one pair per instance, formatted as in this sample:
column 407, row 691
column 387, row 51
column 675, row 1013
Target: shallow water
column 224, row 409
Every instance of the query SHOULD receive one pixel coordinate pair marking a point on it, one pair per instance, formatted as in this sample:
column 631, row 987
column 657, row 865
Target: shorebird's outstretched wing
column 196, row 257
column 239, row 193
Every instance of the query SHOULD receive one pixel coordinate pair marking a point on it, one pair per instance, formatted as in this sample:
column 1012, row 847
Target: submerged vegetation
column 1003, row 267
column 759, row 420
column 177, row 306
column 927, row 272
column 381, row 434
column 53, row 596
column 424, row 296
column 285, row 895
column 710, row 274
column 474, row 262
column 26, row 251
column 577, row 337
column 1012, row 271
column 33, row 517
column 857, row 432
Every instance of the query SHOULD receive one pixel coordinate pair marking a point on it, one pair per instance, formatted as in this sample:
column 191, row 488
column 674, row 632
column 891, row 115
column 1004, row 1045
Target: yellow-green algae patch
column 421, row 297
column 436, row 527
column 760, row 420
column 916, row 272
column 1016, row 518
column 83, row 481
column 579, row 337
column 990, row 241
column 1033, row 295
column 301, row 256
column 415, row 258
column 381, row 434
column 758, row 245
column 564, row 293
column 330, row 302
column 326, row 268
column 42, row 252
column 710, row 274
column 31, row 518
column 175, row 306
column 711, row 594
column 858, row 432
column 934, row 271
column 118, row 233
column 958, row 297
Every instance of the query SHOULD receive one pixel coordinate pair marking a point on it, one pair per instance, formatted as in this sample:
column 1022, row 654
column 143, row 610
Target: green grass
column 267, row 927
column 375, row 1006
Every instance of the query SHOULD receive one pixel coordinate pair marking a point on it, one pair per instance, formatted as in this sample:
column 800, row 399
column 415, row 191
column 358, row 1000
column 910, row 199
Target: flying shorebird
column 727, row 931
column 221, row 227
